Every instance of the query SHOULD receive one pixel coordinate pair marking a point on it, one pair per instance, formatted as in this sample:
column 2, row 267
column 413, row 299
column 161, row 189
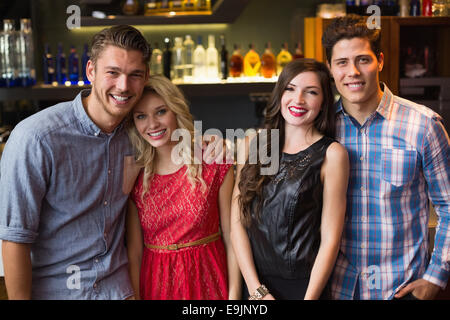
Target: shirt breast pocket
column 398, row 166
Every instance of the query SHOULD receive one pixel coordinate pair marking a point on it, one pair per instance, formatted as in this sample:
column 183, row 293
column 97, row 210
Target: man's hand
column 421, row 289
column 215, row 150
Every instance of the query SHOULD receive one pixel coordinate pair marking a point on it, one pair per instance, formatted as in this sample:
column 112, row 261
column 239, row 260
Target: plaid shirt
column 399, row 159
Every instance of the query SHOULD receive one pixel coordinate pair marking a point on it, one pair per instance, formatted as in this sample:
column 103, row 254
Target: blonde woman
column 178, row 224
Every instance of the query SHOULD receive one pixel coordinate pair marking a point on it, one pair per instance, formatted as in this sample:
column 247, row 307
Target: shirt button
column 105, row 234
column 363, row 219
column 363, row 245
column 105, row 203
column 96, row 261
column 95, row 285
column 109, row 171
column 361, row 158
column 362, row 188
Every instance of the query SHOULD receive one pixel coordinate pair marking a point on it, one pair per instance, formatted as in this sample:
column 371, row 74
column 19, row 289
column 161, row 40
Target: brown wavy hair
column 251, row 182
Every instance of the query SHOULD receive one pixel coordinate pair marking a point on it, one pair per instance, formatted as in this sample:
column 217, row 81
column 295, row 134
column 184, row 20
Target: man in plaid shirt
column 399, row 159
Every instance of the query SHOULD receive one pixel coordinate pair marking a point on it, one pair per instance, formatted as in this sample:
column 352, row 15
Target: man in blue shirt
column 399, row 162
column 62, row 201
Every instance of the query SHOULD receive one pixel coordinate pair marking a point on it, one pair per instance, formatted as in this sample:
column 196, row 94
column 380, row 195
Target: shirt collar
column 384, row 107
column 387, row 100
column 86, row 122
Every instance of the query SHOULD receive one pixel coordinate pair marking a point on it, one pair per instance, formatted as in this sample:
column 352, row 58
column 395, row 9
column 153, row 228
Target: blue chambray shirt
column 61, row 190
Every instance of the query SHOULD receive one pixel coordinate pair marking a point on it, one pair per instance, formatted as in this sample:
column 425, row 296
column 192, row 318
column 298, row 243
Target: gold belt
column 176, row 246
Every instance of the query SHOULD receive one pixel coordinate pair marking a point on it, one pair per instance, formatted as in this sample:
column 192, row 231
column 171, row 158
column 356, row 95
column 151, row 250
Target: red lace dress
column 172, row 213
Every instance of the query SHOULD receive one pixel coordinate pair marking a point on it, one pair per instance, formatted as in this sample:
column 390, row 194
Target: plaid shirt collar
column 384, row 108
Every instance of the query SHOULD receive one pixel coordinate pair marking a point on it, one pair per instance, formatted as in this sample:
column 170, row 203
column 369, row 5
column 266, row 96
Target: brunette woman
column 286, row 227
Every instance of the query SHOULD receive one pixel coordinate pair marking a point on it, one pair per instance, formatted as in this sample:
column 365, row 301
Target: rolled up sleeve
column 24, row 172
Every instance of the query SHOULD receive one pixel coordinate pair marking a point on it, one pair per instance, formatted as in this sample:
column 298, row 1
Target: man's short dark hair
column 349, row 27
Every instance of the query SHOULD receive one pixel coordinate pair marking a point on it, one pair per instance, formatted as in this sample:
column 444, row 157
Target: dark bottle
column 415, row 8
column 130, row 7
column 167, row 58
column 48, row 66
column 61, row 70
column 84, row 60
column 223, row 58
column 236, row 62
column 74, row 67
column 298, row 52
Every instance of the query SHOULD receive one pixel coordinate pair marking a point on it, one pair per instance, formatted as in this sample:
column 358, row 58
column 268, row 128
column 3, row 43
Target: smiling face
column 118, row 79
column 302, row 100
column 355, row 70
column 154, row 121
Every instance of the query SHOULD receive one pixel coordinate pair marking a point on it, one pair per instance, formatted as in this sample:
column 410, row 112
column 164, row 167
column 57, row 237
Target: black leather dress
column 286, row 238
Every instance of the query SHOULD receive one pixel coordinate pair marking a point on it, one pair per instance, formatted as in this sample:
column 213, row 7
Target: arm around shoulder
column 334, row 173
column 135, row 246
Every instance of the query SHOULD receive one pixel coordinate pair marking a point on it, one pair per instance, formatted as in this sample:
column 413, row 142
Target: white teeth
column 357, row 85
column 120, row 98
column 156, row 134
column 298, row 110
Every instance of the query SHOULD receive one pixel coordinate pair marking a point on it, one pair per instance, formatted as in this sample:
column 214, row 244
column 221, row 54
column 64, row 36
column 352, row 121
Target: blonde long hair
column 145, row 153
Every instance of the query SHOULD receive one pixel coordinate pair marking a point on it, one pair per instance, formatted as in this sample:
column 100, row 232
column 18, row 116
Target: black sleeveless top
column 286, row 238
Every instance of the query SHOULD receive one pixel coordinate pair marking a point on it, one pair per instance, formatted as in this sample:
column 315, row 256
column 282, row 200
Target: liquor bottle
column 150, row 7
column 48, row 67
column 236, row 62
column 9, row 52
column 176, row 5
column 156, row 61
column 223, row 58
column 204, row 5
column 188, row 59
column 2, row 68
column 130, row 7
column 27, row 72
column 84, row 60
column 61, row 69
column 74, row 66
column 188, row 5
column 427, row 8
column 283, row 58
column 404, row 8
column 298, row 52
column 415, row 8
column 199, row 61
column 178, row 56
column 439, row 8
column 252, row 62
column 167, row 58
column 212, row 59
column 164, row 7
column 268, row 63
